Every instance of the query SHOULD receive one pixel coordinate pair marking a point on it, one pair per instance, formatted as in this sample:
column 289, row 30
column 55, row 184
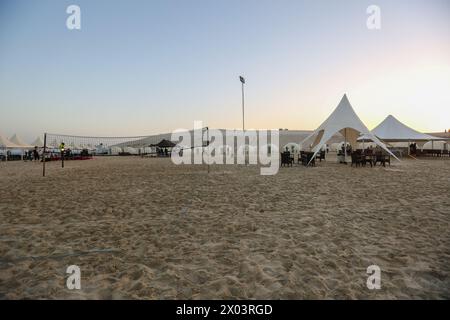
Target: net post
column 207, row 144
column 62, row 150
column 43, row 155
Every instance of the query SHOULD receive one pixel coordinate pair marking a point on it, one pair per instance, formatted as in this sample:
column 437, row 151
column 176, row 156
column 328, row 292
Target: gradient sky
column 143, row 67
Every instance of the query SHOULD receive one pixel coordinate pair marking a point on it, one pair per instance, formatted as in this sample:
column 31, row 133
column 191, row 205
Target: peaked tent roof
column 6, row 144
column 343, row 120
column 164, row 144
column 38, row 142
column 390, row 129
column 17, row 140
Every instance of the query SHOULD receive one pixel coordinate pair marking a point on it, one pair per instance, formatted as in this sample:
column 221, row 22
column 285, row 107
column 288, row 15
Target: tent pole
column 345, row 145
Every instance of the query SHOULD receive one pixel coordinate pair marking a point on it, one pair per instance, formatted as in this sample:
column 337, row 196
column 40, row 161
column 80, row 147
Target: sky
column 145, row 67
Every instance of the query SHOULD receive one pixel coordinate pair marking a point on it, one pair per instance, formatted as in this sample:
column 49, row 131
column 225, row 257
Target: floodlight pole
column 242, row 79
column 207, row 144
column 243, row 114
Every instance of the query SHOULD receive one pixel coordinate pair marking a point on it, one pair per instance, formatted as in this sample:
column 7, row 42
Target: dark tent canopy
column 164, row 144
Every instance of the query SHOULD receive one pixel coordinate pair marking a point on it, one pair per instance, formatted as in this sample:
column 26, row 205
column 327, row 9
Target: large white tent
column 343, row 120
column 17, row 140
column 392, row 130
column 5, row 143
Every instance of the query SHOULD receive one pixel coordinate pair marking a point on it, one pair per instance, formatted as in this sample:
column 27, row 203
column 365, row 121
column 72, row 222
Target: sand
column 147, row 229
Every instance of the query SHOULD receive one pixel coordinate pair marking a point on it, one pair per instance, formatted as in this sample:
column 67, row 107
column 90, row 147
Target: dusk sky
column 144, row 67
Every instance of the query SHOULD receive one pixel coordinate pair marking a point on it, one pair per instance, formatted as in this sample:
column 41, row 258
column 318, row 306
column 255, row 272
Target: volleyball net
column 115, row 145
column 63, row 147
column 198, row 146
column 99, row 145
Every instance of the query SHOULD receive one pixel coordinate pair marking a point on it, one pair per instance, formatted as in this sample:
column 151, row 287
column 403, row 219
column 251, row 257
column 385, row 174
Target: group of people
column 163, row 152
column 346, row 149
column 32, row 155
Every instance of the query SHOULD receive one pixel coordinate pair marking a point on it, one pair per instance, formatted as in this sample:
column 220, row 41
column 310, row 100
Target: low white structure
column 114, row 151
column 148, row 150
column 435, row 145
column 131, row 150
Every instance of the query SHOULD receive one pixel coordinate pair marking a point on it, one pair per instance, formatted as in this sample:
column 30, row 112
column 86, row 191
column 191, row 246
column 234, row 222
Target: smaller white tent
column 38, row 142
column 343, row 120
column 17, row 140
column 392, row 130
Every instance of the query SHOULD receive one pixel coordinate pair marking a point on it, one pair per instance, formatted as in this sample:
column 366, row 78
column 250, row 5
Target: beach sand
column 147, row 229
